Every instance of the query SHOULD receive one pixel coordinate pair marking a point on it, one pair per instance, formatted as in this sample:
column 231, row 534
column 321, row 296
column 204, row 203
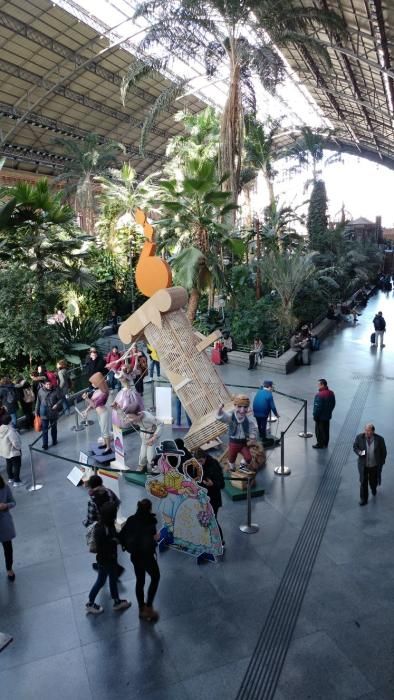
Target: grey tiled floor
column 211, row 616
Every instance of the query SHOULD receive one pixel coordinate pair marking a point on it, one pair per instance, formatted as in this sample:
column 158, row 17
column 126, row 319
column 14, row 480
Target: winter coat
column 379, row 323
column 137, row 535
column 264, row 403
column 213, row 471
column 49, row 402
column 360, row 445
column 8, row 397
column 64, row 381
column 96, row 365
column 323, row 404
column 10, row 442
column 107, row 545
column 7, row 529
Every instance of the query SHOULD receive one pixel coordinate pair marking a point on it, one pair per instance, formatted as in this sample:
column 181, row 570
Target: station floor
column 301, row 609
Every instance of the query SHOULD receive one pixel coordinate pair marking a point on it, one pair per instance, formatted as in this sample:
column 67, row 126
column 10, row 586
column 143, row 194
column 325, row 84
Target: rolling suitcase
column 373, row 338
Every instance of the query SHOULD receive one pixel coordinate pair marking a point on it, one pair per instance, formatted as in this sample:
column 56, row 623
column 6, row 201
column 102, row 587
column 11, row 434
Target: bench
column 283, row 364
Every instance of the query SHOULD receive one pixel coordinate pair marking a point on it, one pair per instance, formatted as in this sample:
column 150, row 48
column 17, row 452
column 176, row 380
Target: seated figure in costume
column 127, row 401
column 242, row 431
column 149, row 429
column 98, row 400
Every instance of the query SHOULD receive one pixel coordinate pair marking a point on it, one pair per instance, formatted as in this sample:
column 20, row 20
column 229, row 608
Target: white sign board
column 75, row 476
column 163, row 396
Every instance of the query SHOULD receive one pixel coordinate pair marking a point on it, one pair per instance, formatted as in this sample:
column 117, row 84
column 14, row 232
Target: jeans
column 262, row 426
column 13, row 419
column 46, row 424
column 8, row 554
column 145, row 565
column 14, row 467
column 379, row 334
column 179, row 414
column 103, row 573
column 111, row 380
column 153, row 364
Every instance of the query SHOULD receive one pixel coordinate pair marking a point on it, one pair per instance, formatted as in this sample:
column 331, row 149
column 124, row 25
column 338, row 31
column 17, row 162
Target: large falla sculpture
column 163, row 322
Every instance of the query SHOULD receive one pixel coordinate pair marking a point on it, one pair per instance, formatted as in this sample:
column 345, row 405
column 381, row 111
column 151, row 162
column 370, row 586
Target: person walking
column 7, row 529
column 11, row 450
column 212, row 480
column 323, row 407
column 27, row 400
column 98, row 495
column 139, row 537
column 48, row 404
column 371, row 451
column 64, row 384
column 263, row 404
column 107, row 561
column 379, row 325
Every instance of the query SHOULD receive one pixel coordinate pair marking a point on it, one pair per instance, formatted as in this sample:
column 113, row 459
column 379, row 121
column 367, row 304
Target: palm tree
column 260, row 150
column 193, row 208
column 38, row 231
column 88, row 159
column 308, row 149
column 239, row 37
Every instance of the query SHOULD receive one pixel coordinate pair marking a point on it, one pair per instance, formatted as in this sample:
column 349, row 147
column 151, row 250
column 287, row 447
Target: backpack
column 28, row 395
column 136, row 538
column 91, row 538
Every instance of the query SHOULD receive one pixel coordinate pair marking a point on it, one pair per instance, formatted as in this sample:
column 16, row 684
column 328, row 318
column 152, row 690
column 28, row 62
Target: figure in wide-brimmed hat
column 149, row 429
column 242, row 431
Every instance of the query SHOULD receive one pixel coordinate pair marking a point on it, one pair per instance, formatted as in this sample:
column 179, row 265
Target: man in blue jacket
column 323, row 407
column 263, row 404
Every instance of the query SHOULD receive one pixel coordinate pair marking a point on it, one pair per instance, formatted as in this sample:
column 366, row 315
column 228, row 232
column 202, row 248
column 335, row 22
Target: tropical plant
column 288, row 273
column 317, row 220
column 199, row 140
column 308, row 150
column 261, row 151
column 87, row 160
column 76, row 335
column 191, row 229
column 235, row 36
column 39, row 232
column 24, row 333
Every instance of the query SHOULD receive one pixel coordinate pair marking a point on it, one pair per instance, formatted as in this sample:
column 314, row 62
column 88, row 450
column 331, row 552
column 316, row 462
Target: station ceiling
column 61, row 76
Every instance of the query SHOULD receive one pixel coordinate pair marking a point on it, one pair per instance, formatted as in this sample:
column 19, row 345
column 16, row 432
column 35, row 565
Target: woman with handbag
column 7, row 529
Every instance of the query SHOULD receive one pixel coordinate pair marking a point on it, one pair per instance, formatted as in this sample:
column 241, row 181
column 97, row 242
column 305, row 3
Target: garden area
column 253, row 266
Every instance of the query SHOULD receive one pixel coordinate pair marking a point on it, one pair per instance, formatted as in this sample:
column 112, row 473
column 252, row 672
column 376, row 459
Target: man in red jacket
column 323, row 407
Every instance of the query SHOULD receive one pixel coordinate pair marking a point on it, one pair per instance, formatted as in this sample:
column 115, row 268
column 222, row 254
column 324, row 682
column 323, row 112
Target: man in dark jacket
column 371, row 451
column 323, row 407
column 48, row 404
column 379, row 325
column 213, row 481
column 9, row 398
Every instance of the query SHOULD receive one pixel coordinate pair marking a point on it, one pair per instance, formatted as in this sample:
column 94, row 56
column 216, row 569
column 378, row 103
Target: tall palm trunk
column 231, row 131
column 258, row 257
column 193, row 304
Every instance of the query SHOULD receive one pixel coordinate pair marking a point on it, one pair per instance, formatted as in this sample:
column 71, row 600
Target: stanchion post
column 250, row 527
column 282, row 470
column 34, row 486
column 305, row 433
column 76, row 428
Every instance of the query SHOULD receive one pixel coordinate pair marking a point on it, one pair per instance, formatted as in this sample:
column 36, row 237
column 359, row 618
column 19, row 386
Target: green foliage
column 317, row 216
column 76, row 335
column 24, row 334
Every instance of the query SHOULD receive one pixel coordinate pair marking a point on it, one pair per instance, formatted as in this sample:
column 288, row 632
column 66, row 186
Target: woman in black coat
column 139, row 538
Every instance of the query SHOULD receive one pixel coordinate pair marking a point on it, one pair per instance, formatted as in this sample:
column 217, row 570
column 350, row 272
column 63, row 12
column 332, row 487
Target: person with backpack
column 11, row 450
column 139, row 538
column 106, row 547
column 64, row 384
column 98, row 495
column 48, row 404
column 9, row 398
column 379, row 325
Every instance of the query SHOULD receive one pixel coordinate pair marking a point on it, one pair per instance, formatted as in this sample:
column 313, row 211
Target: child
column 10, row 449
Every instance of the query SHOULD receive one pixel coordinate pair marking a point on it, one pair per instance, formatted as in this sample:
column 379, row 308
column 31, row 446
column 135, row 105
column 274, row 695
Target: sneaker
column 18, row 483
column 121, row 605
column 11, row 482
column 93, row 609
column 149, row 614
column 244, row 469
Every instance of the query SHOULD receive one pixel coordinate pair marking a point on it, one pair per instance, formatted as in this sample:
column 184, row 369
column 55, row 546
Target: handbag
column 28, row 395
column 37, row 424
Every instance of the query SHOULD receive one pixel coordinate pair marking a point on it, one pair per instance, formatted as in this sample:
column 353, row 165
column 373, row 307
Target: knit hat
column 268, row 384
column 241, row 400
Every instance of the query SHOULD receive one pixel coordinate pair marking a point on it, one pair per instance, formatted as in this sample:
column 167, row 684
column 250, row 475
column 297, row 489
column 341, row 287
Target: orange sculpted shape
column 152, row 273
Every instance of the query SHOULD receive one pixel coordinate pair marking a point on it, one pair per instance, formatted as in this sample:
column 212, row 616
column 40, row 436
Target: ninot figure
column 242, row 431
